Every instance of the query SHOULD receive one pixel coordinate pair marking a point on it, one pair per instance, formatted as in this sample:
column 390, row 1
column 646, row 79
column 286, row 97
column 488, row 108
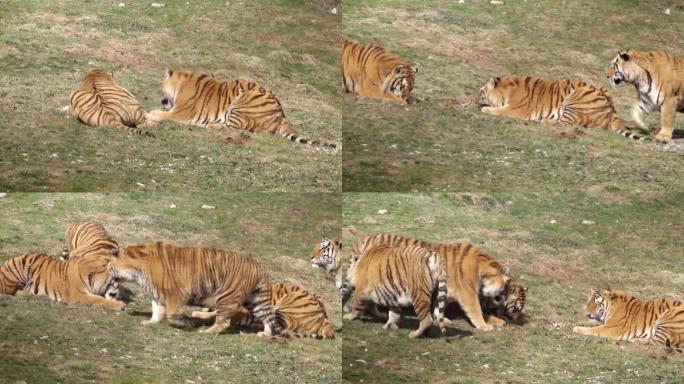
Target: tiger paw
column 495, row 321
column 390, row 326
column 486, row 328
column 579, row 330
column 415, row 334
column 662, row 138
column 349, row 316
column 149, row 322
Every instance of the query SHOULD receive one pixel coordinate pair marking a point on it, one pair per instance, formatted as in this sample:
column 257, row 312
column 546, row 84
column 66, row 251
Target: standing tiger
column 398, row 277
column 551, row 102
column 659, row 81
column 300, row 312
column 77, row 280
column 202, row 100
column 370, row 70
column 177, row 276
column 624, row 317
column 88, row 239
column 100, row 101
column 472, row 274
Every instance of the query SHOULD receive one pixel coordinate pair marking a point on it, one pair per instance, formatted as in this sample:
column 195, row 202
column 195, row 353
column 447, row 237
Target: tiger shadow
column 192, row 323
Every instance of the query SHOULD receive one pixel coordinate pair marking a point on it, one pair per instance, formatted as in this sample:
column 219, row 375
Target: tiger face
column 170, row 87
column 401, row 84
column 492, row 95
column 324, row 254
column 621, row 68
column 129, row 264
column 493, row 278
column 597, row 307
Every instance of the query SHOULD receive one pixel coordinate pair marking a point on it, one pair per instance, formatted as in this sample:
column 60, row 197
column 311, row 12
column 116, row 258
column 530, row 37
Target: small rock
column 334, row 11
column 140, row 184
column 3, row 194
column 382, row 211
column 121, row 5
column 172, row 206
column 158, row 5
column 588, row 222
column 53, row 156
column 552, row 221
column 461, row 1
column 208, row 207
column 668, row 11
column 496, row 2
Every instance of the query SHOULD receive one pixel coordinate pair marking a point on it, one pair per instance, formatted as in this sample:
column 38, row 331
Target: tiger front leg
column 667, row 116
column 99, row 300
column 601, row 330
column 158, row 314
column 639, row 110
column 505, row 111
column 422, row 305
column 495, row 321
column 470, row 303
column 393, row 318
column 356, row 306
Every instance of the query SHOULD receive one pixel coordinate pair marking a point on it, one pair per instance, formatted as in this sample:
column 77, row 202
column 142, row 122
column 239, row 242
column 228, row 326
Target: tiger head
column 130, row 264
column 401, row 80
column 493, row 94
column 513, row 301
column 326, row 254
column 112, row 291
column 493, row 277
column 171, row 86
column 599, row 304
column 624, row 68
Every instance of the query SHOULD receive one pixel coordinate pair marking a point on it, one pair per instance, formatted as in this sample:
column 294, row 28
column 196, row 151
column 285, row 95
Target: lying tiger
column 370, row 70
column 658, row 77
column 300, row 312
column 624, row 317
column 472, row 274
column 77, row 280
column 100, row 101
column 205, row 101
column 552, row 102
column 177, row 276
column 397, row 277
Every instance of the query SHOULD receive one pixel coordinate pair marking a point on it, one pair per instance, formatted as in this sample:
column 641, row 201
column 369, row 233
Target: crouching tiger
column 177, row 276
column 100, row 101
column 551, row 102
column 300, row 312
column 624, row 317
column 77, row 280
column 202, row 100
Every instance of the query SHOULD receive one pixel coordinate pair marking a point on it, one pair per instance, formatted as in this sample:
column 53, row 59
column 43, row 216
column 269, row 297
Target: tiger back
column 100, row 101
column 569, row 102
column 370, row 70
column 78, row 280
column 624, row 317
column 205, row 101
column 472, row 273
column 88, row 239
column 398, row 277
column 658, row 77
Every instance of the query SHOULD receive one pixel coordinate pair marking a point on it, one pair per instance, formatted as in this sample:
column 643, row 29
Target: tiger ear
column 167, row 73
column 111, row 73
column 623, row 55
column 505, row 271
column 494, row 81
column 524, row 289
column 339, row 244
column 415, row 70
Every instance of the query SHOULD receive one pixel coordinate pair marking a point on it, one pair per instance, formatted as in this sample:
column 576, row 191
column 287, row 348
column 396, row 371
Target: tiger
column 77, row 280
column 88, row 239
column 508, row 304
column 176, row 276
column 398, row 277
column 471, row 272
column 205, row 101
column 370, row 70
column 300, row 312
column 658, row 77
column 552, row 102
column 100, row 101
column 624, row 317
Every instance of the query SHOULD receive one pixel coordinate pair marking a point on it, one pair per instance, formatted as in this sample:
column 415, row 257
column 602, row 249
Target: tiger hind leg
column 158, row 314
column 422, row 305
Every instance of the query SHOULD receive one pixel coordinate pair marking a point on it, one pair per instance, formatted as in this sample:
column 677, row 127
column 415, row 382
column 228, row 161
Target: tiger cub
column 77, row 280
column 88, row 239
column 100, row 101
column 398, row 277
column 658, row 77
column 176, row 276
column 624, row 317
column 551, row 102
column 205, row 101
column 300, row 312
column 370, row 70
column 472, row 274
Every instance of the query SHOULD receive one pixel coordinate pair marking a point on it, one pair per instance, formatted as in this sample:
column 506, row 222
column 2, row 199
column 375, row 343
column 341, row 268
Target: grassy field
column 46, row 48
column 444, row 143
column 635, row 246
column 41, row 341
